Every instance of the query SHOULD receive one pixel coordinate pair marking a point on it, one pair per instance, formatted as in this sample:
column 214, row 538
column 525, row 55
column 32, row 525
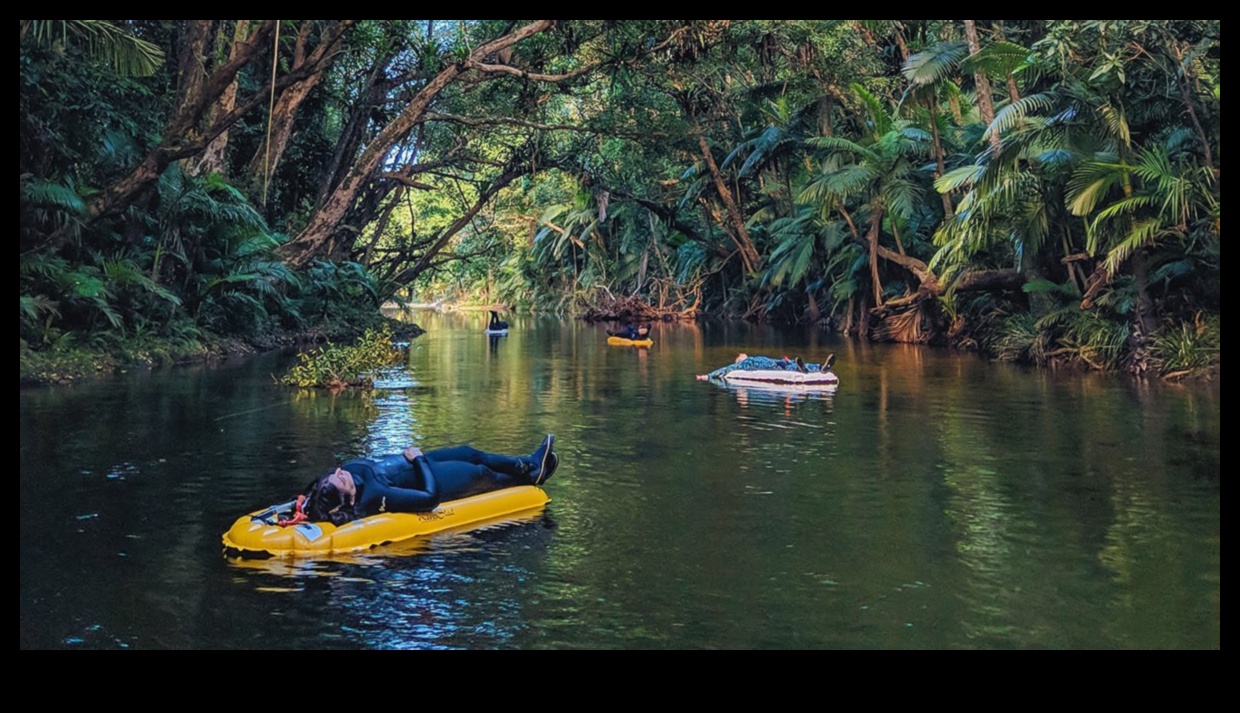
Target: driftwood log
column 608, row 307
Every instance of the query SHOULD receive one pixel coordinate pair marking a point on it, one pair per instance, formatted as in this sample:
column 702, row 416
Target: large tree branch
column 327, row 218
column 928, row 281
column 506, row 69
column 457, row 225
column 990, row 281
column 670, row 215
column 406, row 181
column 192, row 108
column 309, row 68
column 512, row 121
column 179, row 139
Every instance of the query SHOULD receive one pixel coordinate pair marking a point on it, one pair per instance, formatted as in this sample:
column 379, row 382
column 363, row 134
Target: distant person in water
column 496, row 325
column 632, row 332
column 760, row 363
column 417, row 481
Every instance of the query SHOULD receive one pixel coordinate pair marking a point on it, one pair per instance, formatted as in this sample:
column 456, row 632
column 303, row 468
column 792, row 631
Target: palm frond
column 763, row 148
column 690, row 259
column 834, row 144
column 32, row 306
column 1117, row 124
column 51, row 194
column 127, row 54
column 903, row 196
column 553, row 212
column 257, row 244
column 958, row 178
column 1141, row 235
column 1055, row 157
column 108, row 311
column 1171, row 270
column 1180, row 139
column 791, row 260
column 916, row 141
column 125, row 274
column 1032, row 226
column 692, row 190
column 934, row 63
column 874, row 106
column 997, row 59
column 1013, row 114
column 1123, row 207
column 1090, row 183
column 1173, row 186
column 119, row 150
column 847, row 181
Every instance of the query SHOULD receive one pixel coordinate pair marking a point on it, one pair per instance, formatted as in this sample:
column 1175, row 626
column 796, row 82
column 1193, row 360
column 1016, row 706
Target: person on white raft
column 745, row 362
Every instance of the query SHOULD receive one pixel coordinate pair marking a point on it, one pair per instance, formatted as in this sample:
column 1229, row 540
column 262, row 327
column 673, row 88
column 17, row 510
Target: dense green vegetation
column 340, row 366
column 1044, row 191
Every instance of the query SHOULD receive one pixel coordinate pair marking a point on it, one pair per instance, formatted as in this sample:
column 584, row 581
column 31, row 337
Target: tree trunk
column 323, row 224
column 1145, row 303
column 985, row 102
column 1187, row 97
column 1013, row 90
column 826, row 105
column 351, row 137
column 749, row 254
column 194, row 59
column 876, row 221
column 266, row 158
column 940, row 163
column 181, row 137
column 898, row 32
column 214, row 156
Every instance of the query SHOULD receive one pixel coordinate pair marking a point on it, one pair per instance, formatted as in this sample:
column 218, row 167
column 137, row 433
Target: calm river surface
column 933, row 501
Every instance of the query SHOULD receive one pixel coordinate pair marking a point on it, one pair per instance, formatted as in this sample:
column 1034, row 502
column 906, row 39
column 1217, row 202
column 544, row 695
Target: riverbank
column 73, row 364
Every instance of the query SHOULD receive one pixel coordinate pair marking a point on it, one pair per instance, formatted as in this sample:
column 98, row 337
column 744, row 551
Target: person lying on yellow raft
column 417, row 481
column 370, row 502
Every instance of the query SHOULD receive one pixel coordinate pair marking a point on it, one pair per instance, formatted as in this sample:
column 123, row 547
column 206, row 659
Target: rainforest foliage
column 340, row 366
column 1044, row 191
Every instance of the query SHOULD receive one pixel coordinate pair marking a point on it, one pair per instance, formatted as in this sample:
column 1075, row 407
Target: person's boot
column 801, row 366
column 826, row 365
column 542, row 462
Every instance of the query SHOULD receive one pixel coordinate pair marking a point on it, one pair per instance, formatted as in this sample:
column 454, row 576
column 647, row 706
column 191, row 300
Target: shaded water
column 933, row 501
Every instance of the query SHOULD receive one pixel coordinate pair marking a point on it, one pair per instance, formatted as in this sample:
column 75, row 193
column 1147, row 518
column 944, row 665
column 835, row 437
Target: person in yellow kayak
column 631, row 332
column 416, row 481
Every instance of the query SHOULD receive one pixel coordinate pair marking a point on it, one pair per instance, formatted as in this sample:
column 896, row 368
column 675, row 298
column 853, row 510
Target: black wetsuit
column 393, row 484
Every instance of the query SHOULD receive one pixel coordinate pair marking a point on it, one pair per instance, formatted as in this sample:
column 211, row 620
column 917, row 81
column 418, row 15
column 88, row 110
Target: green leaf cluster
column 340, row 366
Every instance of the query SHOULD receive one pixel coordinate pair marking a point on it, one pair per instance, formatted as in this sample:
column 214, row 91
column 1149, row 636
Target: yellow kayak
column 622, row 342
column 259, row 535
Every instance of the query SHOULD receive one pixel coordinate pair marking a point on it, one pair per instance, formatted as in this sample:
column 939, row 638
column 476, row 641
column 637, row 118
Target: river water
column 932, row 501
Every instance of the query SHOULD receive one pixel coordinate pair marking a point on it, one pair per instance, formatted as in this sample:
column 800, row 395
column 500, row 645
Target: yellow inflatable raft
column 259, row 535
column 622, row 342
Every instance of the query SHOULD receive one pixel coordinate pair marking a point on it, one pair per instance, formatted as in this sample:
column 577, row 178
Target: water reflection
column 779, row 395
